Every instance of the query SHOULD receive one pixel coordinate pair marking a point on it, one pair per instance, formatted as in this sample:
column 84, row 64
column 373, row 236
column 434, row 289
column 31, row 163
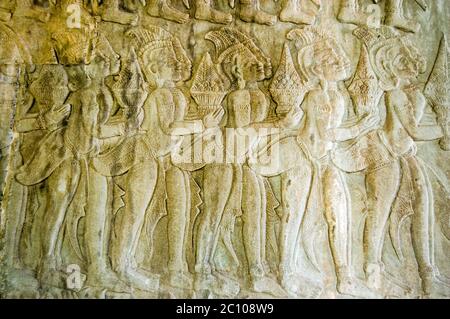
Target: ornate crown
column 287, row 88
column 230, row 42
column 152, row 37
column 209, row 87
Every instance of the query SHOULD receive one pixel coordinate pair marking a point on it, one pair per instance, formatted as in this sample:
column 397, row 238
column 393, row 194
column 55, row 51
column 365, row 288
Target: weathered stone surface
column 251, row 148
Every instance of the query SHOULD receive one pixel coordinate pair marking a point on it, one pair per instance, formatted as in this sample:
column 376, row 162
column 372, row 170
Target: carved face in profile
column 394, row 61
column 101, row 67
column 407, row 65
column 252, row 69
column 325, row 60
column 162, row 65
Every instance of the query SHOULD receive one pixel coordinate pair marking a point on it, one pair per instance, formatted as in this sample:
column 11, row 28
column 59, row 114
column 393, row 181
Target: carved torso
column 324, row 111
column 163, row 107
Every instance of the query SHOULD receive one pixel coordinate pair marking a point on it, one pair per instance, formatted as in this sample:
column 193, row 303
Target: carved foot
column 180, row 280
column 299, row 286
column 52, row 278
column 351, row 16
column 107, row 279
column 402, row 23
column 136, row 279
column 296, row 16
column 434, row 285
column 383, row 283
column 117, row 16
column 444, row 143
column 267, row 285
column 168, row 13
column 250, row 14
column 217, row 284
column 212, row 15
column 355, row 287
column 373, row 276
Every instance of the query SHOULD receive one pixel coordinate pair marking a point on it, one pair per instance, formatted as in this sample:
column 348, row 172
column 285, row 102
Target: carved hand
column 368, row 122
column 56, row 115
column 213, row 119
column 292, row 119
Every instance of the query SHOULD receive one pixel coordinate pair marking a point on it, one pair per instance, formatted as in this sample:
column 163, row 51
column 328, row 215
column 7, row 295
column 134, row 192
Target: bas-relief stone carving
column 213, row 149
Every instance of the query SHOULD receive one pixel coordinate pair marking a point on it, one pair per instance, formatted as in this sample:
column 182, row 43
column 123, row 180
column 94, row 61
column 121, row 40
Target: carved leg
column 62, row 185
column 161, row 8
column 382, row 186
column 421, row 230
column 35, row 248
column 292, row 12
column 217, row 183
column 337, row 215
column 396, row 18
column 205, row 11
column 140, row 185
column 112, row 13
column 263, row 221
column 252, row 228
column 295, row 189
column 99, row 273
column 178, row 198
column 351, row 12
column 250, row 12
column 15, row 209
column 251, row 201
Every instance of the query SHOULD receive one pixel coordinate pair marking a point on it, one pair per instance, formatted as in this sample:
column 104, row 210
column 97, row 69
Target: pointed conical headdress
column 364, row 88
column 130, row 84
column 438, row 84
column 287, row 88
column 209, row 87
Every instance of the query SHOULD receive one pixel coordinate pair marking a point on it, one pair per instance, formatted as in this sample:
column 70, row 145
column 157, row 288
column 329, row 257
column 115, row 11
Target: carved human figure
column 66, row 170
column 399, row 187
column 321, row 59
column 163, row 62
column 245, row 65
column 13, row 66
column 41, row 114
column 351, row 12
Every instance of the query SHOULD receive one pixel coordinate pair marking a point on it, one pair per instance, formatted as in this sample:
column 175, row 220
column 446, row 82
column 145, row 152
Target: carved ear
column 152, row 68
column 315, row 70
column 389, row 81
column 72, row 86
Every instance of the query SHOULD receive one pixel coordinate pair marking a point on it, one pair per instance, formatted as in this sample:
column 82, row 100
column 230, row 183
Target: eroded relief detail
column 214, row 149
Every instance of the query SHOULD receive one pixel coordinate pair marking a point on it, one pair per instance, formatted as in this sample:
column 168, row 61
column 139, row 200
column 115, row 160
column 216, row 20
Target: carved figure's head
column 50, row 87
column 393, row 57
column 320, row 56
column 161, row 55
column 240, row 58
column 105, row 61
